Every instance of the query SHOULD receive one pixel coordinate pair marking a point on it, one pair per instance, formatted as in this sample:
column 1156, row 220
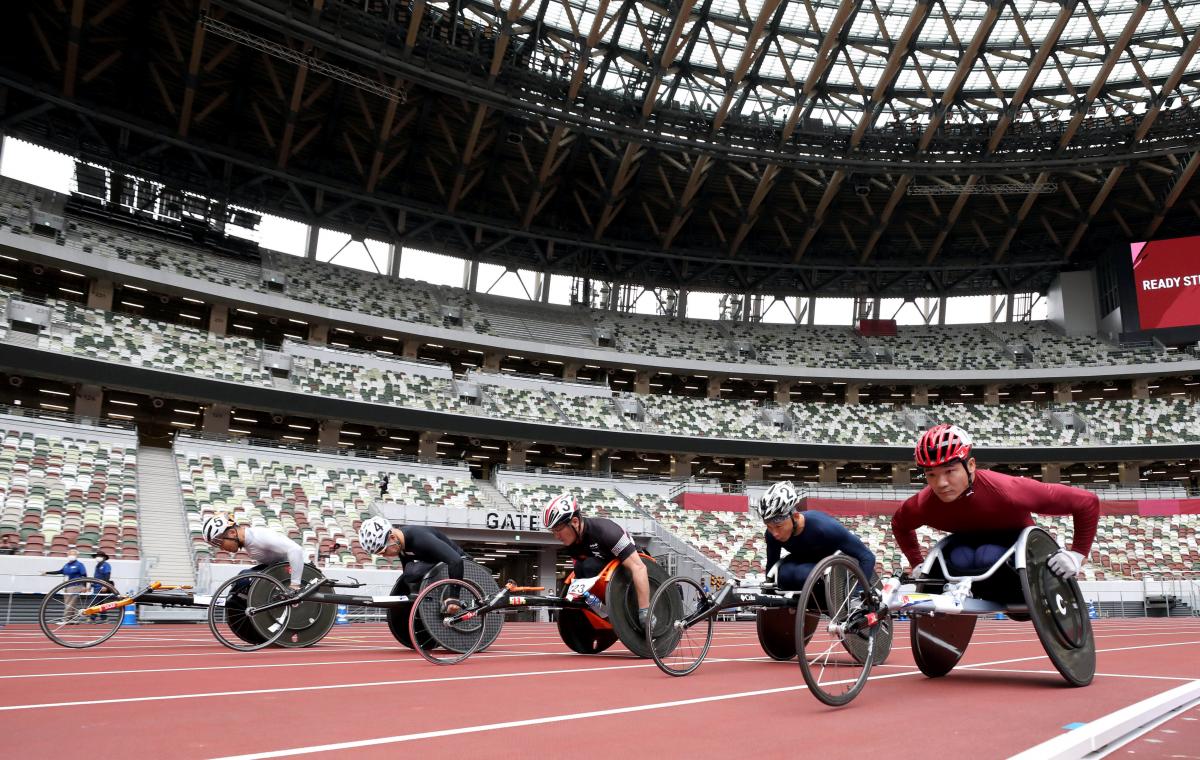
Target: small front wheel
column 444, row 626
column 836, row 659
column 234, row 615
column 70, row 614
column 680, row 628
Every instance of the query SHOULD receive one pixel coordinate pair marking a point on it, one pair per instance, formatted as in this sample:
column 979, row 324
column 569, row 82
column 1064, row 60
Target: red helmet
column 941, row 444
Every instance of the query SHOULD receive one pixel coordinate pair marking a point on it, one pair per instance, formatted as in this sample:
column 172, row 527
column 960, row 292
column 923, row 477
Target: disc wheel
column 454, row 635
column 580, row 635
column 680, row 628
column 64, row 617
column 833, row 674
column 620, row 597
column 777, row 632
column 397, row 617
column 308, row 621
column 1058, row 611
column 228, row 617
column 482, row 579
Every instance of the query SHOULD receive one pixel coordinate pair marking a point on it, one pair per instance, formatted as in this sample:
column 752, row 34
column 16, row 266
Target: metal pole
column 12, row 583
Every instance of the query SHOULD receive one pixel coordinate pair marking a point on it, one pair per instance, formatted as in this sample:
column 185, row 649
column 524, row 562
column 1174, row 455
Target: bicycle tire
column 678, row 647
column 227, row 618
column 833, row 675
column 460, row 639
column 61, row 621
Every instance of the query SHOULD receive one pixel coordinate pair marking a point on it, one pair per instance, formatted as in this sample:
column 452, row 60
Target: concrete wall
column 1074, row 303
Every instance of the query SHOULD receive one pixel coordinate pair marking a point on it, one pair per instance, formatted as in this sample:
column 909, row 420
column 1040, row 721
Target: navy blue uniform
column 821, row 537
column 103, row 571
column 73, row 569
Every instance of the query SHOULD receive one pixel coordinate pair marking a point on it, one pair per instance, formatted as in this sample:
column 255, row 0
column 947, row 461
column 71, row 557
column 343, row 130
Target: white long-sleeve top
column 265, row 546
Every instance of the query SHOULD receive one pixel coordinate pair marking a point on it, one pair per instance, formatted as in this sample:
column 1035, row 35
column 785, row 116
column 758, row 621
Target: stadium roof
column 855, row 147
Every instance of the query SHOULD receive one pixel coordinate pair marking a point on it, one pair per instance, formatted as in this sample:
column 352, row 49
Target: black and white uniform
column 266, row 547
column 600, row 541
column 424, row 548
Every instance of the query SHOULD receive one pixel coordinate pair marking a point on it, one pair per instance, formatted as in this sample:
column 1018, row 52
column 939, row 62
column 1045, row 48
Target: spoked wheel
column 445, row 610
column 837, row 659
column 680, row 629
column 841, row 583
column 69, row 616
column 232, row 615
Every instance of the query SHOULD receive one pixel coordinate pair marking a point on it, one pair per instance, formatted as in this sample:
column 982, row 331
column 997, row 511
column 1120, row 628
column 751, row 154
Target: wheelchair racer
column 595, row 541
column 418, row 547
column 808, row 535
column 264, row 546
column 984, row 510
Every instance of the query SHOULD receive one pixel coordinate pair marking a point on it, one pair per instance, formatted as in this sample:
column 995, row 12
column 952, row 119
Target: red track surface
column 171, row 691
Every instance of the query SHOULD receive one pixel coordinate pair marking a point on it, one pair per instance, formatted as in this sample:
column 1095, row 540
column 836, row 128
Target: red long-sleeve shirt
column 998, row 502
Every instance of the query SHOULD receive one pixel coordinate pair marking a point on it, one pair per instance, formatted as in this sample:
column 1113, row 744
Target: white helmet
column 779, row 501
column 215, row 527
column 560, row 509
column 373, row 534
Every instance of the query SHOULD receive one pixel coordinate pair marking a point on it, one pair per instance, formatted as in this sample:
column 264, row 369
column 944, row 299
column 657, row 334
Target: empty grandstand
column 309, row 263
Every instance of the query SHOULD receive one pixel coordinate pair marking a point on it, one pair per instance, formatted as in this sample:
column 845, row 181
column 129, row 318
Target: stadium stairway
column 678, row 556
column 492, row 498
column 166, row 546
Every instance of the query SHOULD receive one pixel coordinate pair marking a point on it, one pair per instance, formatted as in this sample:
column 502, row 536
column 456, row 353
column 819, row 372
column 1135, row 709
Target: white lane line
column 522, row 723
column 492, row 653
column 492, row 676
column 283, row 690
column 578, row 716
column 1098, row 675
column 1098, row 737
column 218, row 651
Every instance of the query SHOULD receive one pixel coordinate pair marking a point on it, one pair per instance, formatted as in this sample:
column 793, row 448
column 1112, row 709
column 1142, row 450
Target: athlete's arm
column 773, row 551
column 622, row 548
column 429, row 545
column 641, row 579
column 836, row 536
column 904, row 527
column 1056, row 499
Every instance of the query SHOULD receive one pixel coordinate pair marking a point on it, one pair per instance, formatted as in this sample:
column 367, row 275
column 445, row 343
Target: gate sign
column 513, row 521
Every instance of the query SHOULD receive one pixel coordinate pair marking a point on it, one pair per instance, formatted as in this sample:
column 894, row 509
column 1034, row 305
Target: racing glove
column 643, row 616
column 1066, row 563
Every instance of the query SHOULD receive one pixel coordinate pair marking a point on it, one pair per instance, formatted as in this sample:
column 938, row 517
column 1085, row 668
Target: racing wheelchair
column 1019, row 584
column 846, row 623
column 682, row 604
column 944, row 607
column 82, row 612
column 255, row 609
column 457, row 615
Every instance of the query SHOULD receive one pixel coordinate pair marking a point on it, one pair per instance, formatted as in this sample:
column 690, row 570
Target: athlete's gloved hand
column 1066, row 563
column 643, row 616
column 914, row 572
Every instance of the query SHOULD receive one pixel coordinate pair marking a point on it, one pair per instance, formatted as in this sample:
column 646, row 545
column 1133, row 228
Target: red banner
column 714, row 502
column 877, row 327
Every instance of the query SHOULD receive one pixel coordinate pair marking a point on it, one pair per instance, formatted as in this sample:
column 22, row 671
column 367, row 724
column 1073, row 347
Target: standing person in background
column 73, row 569
column 103, row 572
